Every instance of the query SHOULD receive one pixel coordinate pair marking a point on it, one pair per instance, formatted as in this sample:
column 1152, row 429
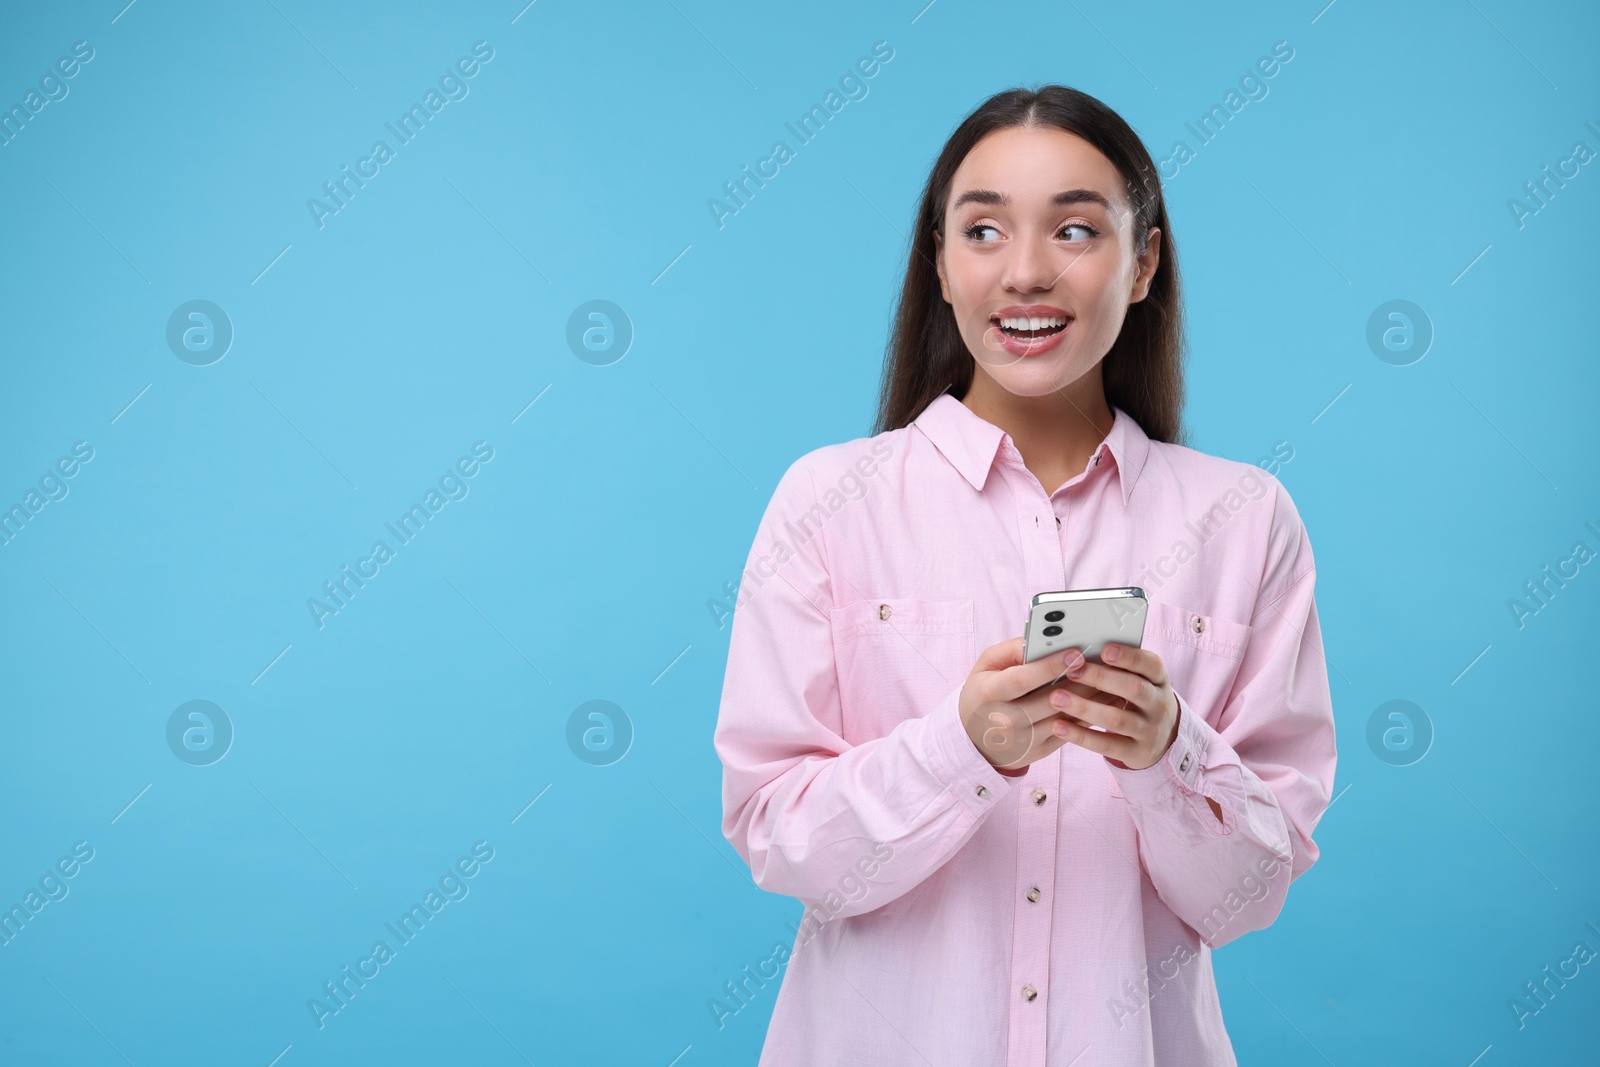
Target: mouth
column 1030, row 329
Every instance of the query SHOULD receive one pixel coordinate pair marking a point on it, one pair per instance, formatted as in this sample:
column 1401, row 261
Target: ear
column 1147, row 268
column 938, row 265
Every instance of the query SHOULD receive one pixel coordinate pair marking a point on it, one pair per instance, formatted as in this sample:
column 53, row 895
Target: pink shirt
column 1067, row 916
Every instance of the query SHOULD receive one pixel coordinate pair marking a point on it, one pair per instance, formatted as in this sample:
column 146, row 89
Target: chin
column 1035, row 379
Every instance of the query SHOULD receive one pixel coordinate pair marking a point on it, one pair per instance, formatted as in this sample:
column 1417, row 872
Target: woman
column 972, row 899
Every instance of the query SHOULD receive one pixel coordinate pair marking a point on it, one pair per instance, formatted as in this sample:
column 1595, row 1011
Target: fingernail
column 1110, row 653
column 1074, row 659
column 1060, row 699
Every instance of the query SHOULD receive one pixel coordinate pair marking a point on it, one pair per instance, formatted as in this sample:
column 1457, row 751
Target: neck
column 1057, row 432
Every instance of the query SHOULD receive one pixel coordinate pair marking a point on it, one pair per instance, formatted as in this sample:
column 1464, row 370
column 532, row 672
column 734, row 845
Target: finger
column 1038, row 704
column 1111, row 745
column 1000, row 656
column 1034, row 707
column 1134, row 688
column 1013, row 730
column 1010, row 677
column 1140, row 661
column 1037, row 701
column 1042, row 693
column 1069, row 685
column 1023, row 678
column 1089, row 710
column 1047, row 740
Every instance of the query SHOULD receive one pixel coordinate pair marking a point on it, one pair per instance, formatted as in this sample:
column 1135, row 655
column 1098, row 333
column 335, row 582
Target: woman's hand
column 1130, row 696
column 1005, row 706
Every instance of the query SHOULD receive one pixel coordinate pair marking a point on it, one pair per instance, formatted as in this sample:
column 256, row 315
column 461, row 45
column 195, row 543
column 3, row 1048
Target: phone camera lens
column 1052, row 631
column 1054, row 616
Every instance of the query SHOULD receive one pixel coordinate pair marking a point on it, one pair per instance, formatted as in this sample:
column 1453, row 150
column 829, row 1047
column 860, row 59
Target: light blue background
column 430, row 311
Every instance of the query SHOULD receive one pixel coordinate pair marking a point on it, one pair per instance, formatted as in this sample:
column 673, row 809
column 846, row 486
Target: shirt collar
column 971, row 442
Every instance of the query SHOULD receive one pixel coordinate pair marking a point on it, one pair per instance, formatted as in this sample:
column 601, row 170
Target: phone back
column 1085, row 624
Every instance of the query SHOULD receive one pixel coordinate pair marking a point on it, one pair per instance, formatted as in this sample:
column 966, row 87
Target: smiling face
column 1038, row 260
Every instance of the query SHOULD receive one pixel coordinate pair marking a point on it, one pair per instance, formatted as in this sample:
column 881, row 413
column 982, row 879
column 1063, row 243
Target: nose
column 1032, row 264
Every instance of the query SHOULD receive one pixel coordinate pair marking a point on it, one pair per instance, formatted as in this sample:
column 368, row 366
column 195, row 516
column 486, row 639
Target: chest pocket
column 1201, row 652
column 897, row 657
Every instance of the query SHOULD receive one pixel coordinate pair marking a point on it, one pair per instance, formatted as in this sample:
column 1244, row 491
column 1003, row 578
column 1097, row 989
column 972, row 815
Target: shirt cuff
column 1181, row 766
column 955, row 761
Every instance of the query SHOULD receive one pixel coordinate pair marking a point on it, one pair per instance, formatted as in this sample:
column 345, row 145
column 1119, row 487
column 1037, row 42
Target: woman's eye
column 972, row 233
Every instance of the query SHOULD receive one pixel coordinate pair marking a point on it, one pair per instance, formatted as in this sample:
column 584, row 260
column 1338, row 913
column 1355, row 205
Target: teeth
column 1032, row 323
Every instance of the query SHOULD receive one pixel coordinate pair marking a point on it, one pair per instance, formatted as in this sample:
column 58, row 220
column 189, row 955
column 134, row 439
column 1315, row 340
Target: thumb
column 999, row 657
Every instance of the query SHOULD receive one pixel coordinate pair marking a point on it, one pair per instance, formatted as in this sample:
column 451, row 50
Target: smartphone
column 1084, row 619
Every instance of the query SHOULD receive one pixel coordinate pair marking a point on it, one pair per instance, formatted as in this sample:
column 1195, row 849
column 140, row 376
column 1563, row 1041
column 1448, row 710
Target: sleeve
column 1268, row 764
column 851, row 827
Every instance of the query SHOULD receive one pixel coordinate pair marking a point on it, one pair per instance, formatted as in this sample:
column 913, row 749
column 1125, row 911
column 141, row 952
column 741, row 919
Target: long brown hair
column 1142, row 372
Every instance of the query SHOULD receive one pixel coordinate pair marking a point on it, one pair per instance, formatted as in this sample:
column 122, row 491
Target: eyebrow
column 1069, row 196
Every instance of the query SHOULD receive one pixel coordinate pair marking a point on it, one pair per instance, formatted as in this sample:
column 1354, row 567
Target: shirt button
column 1039, row 796
column 1028, row 992
column 983, row 791
column 1185, row 764
column 884, row 611
column 1033, row 894
column 1197, row 624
